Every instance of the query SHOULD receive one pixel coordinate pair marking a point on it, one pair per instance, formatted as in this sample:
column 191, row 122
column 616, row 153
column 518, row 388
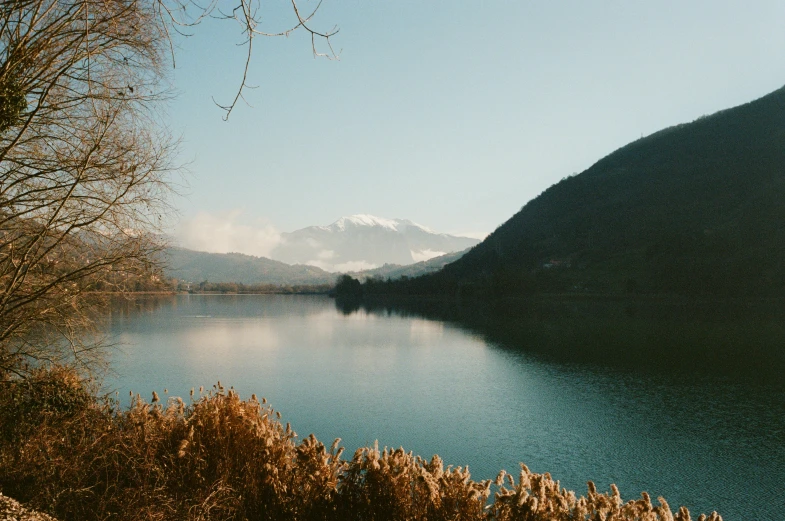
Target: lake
column 680, row 401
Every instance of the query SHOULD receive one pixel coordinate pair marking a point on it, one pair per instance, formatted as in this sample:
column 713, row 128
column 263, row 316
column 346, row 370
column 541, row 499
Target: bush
column 24, row 404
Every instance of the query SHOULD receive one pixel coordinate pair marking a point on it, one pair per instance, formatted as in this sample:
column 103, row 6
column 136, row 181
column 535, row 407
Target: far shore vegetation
column 206, row 287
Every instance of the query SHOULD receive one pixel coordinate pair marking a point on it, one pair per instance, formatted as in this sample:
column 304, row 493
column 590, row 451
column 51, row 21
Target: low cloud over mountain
column 227, row 232
column 361, row 242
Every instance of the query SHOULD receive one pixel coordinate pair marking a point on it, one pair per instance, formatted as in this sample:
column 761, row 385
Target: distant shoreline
column 282, row 291
column 563, row 297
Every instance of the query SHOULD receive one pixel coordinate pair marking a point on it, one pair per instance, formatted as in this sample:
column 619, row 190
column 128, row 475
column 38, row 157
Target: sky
column 453, row 114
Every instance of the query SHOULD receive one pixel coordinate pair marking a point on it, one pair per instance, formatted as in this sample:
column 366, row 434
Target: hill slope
column 396, row 271
column 198, row 266
column 695, row 209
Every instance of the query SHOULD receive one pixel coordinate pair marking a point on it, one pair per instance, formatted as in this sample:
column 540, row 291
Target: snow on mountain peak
column 366, row 239
column 371, row 220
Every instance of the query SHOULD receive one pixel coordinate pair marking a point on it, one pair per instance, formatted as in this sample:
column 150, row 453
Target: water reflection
column 728, row 340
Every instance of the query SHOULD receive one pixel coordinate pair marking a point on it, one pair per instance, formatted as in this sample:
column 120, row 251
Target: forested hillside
column 694, row 209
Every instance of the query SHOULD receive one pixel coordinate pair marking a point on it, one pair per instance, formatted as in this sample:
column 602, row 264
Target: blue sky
column 451, row 114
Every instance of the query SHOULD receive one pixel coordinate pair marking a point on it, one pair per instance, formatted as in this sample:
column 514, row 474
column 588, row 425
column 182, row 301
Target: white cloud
column 225, row 232
column 424, row 255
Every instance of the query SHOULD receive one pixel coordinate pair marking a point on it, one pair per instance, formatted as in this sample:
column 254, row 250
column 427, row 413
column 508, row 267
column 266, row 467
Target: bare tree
column 85, row 160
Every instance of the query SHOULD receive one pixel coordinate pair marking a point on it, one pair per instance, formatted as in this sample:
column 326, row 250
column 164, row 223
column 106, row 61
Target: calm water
column 705, row 436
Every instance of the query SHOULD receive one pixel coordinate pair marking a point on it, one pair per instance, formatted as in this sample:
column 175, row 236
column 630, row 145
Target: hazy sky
column 452, row 114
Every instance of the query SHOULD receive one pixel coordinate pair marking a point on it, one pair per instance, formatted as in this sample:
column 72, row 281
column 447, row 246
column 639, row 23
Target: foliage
column 348, row 287
column 219, row 457
column 12, row 103
column 59, row 392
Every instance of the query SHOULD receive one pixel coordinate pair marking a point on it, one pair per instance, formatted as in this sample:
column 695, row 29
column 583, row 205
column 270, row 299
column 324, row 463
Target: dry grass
column 66, row 452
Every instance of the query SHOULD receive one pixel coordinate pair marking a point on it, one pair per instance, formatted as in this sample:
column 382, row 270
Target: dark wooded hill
column 695, row 209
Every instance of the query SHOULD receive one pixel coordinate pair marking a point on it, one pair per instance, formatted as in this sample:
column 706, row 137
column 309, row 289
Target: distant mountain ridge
column 359, row 242
column 198, row 266
column 694, row 209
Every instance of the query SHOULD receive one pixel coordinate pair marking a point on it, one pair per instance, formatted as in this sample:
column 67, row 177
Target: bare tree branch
column 85, row 161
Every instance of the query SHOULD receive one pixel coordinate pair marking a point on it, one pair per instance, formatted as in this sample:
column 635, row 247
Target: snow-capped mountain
column 362, row 241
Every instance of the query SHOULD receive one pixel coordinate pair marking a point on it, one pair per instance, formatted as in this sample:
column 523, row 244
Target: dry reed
column 66, row 452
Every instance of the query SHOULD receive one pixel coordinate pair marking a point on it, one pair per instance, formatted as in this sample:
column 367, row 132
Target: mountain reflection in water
column 734, row 340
